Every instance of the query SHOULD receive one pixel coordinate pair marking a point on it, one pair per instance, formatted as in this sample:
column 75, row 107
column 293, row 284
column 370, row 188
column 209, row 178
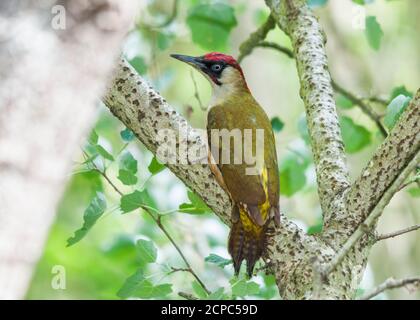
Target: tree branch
column 394, row 155
column 254, row 38
column 187, row 296
column 308, row 41
column 369, row 223
column 397, row 233
column 146, row 113
column 391, row 284
column 366, row 108
column 275, row 46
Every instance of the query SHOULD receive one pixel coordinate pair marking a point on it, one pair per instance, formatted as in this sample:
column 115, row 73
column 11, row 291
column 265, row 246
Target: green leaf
column 198, row 290
column 155, row 166
column 394, row 110
column 105, row 154
column 131, row 284
column 138, row 286
column 190, row 209
column 343, row 102
column 197, row 206
column 400, row 90
column 147, row 290
column 244, row 288
column 133, row 201
column 139, row 64
column 292, row 174
column 277, row 124
column 93, row 138
column 127, row 177
column 219, row 294
column 211, row 24
column 128, row 169
column 316, row 3
column 164, row 40
column 414, row 192
column 261, row 16
column 92, row 213
column 146, row 250
column 362, row 2
column 373, row 32
column 128, row 162
column 269, row 290
column 355, row 136
column 197, row 201
column 316, row 228
column 127, row 135
column 218, row 260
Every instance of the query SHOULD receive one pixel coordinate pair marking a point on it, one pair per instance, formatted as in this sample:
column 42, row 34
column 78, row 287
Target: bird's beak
column 196, row 62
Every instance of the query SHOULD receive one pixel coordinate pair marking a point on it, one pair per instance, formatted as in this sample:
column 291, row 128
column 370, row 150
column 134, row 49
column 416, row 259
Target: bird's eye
column 216, row 67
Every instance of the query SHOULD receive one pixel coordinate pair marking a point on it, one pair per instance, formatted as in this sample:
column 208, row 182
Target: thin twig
column 362, row 105
column 161, row 227
column 196, row 95
column 378, row 100
column 275, row 46
column 352, row 97
column 391, row 284
column 415, row 179
column 187, row 296
column 397, row 233
column 254, row 38
column 166, row 22
column 173, row 270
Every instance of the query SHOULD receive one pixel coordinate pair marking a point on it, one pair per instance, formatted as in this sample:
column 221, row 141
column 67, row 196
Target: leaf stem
column 158, row 221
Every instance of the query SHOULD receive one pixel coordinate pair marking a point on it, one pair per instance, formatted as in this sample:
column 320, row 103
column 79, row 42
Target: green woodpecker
column 255, row 196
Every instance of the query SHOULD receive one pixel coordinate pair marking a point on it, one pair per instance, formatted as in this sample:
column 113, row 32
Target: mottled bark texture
column 50, row 83
column 297, row 20
column 298, row 260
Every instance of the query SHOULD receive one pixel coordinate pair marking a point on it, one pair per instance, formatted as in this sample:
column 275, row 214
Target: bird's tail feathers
column 246, row 244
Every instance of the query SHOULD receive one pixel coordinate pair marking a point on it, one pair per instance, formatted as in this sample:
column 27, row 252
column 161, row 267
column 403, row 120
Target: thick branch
column 391, row 284
column 369, row 223
column 146, row 113
column 297, row 21
column 393, row 156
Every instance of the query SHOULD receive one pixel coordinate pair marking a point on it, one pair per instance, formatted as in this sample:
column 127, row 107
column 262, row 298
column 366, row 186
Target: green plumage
column 255, row 202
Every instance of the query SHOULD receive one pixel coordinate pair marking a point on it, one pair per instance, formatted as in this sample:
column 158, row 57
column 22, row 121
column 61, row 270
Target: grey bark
column 50, row 82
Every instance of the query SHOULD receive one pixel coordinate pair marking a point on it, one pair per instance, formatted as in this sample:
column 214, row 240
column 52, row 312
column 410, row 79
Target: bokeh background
column 366, row 61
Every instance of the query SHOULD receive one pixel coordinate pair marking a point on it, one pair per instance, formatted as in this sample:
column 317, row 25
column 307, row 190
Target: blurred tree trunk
column 55, row 58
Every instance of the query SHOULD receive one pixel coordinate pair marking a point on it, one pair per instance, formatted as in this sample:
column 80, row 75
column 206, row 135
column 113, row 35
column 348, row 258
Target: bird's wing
column 255, row 194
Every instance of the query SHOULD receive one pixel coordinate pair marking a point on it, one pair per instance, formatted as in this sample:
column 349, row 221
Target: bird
column 255, row 196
